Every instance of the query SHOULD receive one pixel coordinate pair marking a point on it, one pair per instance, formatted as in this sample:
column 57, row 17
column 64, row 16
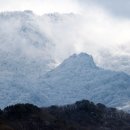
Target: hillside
column 79, row 78
column 83, row 115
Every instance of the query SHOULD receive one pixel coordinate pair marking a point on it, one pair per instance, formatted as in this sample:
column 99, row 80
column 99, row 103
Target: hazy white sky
column 40, row 6
column 116, row 7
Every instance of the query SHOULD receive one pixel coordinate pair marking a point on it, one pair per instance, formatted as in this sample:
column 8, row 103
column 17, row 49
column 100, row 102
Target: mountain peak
column 82, row 60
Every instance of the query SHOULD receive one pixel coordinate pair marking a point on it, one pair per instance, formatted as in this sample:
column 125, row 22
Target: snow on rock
column 79, row 78
column 24, row 56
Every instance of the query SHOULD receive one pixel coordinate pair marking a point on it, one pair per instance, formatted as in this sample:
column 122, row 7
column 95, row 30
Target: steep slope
column 24, row 47
column 79, row 78
column 25, row 53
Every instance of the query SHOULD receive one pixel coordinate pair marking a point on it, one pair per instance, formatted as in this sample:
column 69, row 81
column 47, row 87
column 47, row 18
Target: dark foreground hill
column 83, row 115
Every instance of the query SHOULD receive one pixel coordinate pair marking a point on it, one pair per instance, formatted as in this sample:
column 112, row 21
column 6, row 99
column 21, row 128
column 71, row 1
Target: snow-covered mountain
column 30, row 41
column 25, row 54
column 76, row 78
column 24, row 47
column 27, row 51
column 30, row 46
column 79, row 78
column 26, row 43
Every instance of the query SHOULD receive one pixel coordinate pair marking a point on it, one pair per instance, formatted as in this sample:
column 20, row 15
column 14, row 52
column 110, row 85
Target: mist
column 33, row 43
column 55, row 36
column 94, row 31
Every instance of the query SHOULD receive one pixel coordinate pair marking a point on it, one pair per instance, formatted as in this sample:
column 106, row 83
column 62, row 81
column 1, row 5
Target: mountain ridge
column 76, row 78
column 81, row 81
column 82, row 115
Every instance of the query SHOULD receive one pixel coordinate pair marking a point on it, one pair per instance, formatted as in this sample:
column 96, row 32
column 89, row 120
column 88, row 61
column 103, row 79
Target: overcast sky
column 40, row 6
column 116, row 7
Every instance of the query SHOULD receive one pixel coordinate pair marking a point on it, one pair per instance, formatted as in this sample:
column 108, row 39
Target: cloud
column 40, row 6
column 94, row 30
column 97, row 32
column 118, row 8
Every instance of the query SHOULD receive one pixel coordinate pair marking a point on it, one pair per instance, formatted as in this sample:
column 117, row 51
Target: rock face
column 81, row 61
column 83, row 115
